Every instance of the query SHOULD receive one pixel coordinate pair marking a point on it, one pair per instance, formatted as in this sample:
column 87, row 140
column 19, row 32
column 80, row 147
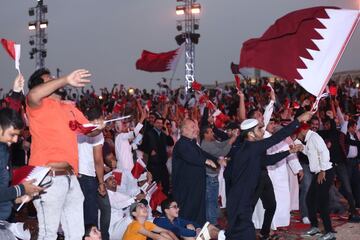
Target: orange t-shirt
column 132, row 231
column 52, row 140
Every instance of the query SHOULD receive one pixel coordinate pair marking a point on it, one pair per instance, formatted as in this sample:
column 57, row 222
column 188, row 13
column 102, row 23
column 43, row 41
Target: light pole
column 38, row 40
column 188, row 8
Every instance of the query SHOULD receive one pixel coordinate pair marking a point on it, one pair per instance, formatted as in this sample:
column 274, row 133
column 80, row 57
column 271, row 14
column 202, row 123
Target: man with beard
column 243, row 172
column 54, row 145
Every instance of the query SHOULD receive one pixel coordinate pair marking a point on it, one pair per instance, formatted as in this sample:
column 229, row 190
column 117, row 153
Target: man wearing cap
column 243, row 172
column 119, row 203
column 322, row 179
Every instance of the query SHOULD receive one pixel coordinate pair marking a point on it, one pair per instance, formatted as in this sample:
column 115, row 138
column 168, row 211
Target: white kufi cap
column 248, row 124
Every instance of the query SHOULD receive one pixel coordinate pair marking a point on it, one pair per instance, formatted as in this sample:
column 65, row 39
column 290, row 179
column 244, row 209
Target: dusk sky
column 107, row 37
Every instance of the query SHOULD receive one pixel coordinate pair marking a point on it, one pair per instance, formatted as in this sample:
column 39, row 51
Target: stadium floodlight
column 195, row 8
column 180, row 10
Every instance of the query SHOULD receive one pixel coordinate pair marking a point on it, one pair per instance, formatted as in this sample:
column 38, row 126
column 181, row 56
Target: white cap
column 248, row 124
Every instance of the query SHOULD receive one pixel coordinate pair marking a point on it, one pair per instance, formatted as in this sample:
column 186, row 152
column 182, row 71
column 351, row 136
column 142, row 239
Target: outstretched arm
column 75, row 79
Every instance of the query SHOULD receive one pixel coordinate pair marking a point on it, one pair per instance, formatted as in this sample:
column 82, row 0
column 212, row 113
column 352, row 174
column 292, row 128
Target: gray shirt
column 217, row 149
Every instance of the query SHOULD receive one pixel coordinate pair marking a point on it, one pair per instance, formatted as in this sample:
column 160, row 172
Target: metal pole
column 40, row 36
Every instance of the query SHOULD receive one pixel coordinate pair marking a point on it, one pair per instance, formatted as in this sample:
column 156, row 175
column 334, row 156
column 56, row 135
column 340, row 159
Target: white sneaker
column 306, row 220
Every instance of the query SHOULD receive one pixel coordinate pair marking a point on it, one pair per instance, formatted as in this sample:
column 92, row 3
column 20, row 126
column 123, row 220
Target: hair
column 166, row 204
column 93, row 112
column 10, row 118
column 159, row 118
column 351, row 123
column 36, row 79
column 251, row 113
column 314, row 118
column 88, row 228
column 203, row 131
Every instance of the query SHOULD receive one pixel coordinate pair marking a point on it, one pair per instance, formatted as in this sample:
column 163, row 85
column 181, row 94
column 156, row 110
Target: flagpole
column 176, row 64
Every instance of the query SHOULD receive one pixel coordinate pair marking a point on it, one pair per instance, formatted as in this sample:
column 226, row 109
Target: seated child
column 182, row 228
column 140, row 229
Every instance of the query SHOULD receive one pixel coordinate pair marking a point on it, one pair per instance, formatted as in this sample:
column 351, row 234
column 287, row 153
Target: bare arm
column 99, row 168
column 242, row 110
column 75, row 79
column 165, row 233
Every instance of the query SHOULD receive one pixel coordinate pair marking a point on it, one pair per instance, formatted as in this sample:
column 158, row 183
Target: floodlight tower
column 38, row 39
column 188, row 8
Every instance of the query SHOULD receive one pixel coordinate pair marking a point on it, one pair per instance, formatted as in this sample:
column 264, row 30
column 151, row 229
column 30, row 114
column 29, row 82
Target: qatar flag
column 157, row 197
column 158, row 62
column 303, row 46
column 139, row 168
column 13, row 50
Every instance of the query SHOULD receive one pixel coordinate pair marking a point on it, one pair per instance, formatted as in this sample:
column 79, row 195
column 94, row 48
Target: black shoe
column 354, row 218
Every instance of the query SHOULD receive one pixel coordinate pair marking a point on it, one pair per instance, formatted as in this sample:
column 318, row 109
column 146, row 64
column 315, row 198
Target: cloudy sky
column 107, row 36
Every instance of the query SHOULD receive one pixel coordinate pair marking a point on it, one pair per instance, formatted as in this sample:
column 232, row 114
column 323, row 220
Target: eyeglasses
column 175, row 207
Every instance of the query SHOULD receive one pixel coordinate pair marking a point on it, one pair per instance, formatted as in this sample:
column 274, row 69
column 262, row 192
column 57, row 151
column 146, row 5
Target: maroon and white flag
column 139, row 168
column 303, row 46
column 158, row 62
column 13, row 50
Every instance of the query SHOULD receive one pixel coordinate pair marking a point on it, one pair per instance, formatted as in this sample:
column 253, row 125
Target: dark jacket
column 349, row 142
column 7, row 192
column 337, row 140
column 157, row 143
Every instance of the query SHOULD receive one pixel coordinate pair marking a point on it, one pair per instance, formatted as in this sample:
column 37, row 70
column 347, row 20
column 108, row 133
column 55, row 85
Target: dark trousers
column 89, row 187
column 265, row 191
column 160, row 174
column 318, row 198
column 354, row 175
column 341, row 170
column 243, row 228
column 105, row 216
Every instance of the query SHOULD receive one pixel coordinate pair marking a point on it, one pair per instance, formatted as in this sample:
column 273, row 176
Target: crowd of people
column 177, row 162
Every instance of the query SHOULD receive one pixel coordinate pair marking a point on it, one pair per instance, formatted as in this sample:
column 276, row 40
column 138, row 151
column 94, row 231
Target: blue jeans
column 342, row 173
column 105, row 216
column 304, row 188
column 212, row 193
column 89, row 188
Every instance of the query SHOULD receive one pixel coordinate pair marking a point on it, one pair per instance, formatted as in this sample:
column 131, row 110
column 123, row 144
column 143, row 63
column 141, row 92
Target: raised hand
column 18, row 83
column 296, row 148
column 78, row 78
column 306, row 116
column 210, row 163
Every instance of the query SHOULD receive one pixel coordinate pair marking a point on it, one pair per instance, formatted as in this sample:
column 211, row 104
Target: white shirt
column 128, row 184
column 123, row 149
column 269, row 109
column 317, row 152
column 353, row 150
column 119, row 203
column 86, row 154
